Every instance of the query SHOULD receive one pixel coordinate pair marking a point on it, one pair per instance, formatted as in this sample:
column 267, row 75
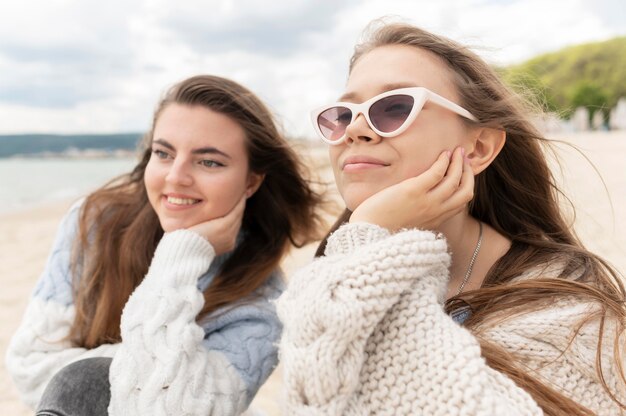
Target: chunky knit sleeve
column 332, row 306
column 332, row 312
column 167, row 363
column 40, row 348
column 561, row 344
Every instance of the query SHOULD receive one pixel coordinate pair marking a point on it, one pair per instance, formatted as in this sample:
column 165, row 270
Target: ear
column 487, row 145
column 254, row 181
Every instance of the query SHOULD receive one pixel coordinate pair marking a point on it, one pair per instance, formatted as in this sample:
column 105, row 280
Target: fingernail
column 463, row 151
column 449, row 153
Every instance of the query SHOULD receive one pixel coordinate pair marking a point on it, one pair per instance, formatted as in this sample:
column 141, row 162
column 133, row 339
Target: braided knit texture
column 161, row 367
column 365, row 332
column 167, row 363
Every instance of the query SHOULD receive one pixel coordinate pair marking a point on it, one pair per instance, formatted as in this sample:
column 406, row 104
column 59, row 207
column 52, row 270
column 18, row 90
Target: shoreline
column 35, row 208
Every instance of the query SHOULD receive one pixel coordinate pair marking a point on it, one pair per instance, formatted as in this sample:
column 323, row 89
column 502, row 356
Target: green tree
column 591, row 96
column 576, row 75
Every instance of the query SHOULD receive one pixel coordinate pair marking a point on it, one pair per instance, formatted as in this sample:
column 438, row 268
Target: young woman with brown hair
column 170, row 269
column 452, row 284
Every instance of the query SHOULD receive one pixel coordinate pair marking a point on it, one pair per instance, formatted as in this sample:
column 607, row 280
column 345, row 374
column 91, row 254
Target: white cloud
column 519, row 30
column 88, row 66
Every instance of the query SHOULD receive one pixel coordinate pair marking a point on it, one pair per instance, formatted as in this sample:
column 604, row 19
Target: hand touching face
column 424, row 201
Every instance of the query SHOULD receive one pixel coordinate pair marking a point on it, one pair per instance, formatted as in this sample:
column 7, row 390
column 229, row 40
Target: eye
column 160, row 154
column 344, row 117
column 398, row 109
column 392, row 107
column 211, row 163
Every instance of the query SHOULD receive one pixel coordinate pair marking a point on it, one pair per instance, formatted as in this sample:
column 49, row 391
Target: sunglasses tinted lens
column 333, row 122
column 389, row 113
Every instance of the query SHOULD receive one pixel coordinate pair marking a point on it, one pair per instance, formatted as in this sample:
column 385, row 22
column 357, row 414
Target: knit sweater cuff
column 353, row 235
column 180, row 258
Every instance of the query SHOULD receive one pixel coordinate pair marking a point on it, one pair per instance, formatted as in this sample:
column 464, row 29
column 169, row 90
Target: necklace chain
column 468, row 273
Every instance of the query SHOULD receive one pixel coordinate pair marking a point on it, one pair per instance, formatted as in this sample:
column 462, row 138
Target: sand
column 26, row 237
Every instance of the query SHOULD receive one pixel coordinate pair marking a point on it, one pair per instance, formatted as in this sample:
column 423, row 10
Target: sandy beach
column 26, row 237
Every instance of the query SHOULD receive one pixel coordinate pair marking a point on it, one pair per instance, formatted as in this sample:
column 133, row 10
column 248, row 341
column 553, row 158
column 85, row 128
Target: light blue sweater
column 225, row 359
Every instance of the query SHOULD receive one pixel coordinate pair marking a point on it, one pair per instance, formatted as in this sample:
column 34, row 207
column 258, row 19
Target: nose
column 360, row 131
column 179, row 173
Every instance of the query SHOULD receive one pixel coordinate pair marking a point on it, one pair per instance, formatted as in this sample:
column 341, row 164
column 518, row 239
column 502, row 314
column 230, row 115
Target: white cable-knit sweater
column 167, row 363
column 365, row 333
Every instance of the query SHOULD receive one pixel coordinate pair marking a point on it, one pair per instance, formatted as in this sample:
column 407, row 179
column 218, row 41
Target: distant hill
column 31, row 144
column 591, row 75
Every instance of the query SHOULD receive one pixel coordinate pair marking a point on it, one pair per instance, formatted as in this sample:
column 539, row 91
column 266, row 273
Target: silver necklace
column 468, row 273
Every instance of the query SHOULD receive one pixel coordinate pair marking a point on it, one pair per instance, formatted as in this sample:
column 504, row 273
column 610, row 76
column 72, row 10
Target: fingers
column 456, row 188
column 452, row 179
column 425, row 200
column 222, row 232
column 442, row 179
column 433, row 176
column 464, row 192
column 467, row 178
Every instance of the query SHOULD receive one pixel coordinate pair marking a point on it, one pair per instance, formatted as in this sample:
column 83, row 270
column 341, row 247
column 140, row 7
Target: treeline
column 31, row 144
column 591, row 75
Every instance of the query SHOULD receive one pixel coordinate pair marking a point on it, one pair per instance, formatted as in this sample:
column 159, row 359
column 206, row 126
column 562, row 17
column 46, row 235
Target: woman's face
column 391, row 160
column 198, row 169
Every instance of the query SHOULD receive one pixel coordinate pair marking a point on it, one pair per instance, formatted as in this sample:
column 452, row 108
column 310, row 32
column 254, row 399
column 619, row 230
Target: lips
column 360, row 162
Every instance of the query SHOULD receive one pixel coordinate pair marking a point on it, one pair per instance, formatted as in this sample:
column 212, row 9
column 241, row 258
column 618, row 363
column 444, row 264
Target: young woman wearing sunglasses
column 452, row 284
column 165, row 276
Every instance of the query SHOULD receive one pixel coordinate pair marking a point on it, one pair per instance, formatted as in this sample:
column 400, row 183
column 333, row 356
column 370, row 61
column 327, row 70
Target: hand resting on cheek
column 424, row 201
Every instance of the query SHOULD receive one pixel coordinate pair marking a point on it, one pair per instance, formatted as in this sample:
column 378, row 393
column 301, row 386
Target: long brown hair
column 119, row 230
column 518, row 196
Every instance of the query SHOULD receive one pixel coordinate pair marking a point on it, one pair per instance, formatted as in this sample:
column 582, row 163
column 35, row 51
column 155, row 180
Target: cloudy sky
column 87, row 66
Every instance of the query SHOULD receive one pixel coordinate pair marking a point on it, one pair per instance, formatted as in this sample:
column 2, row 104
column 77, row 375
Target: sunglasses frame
column 420, row 96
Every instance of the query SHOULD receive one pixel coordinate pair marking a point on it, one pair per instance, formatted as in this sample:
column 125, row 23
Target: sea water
column 30, row 182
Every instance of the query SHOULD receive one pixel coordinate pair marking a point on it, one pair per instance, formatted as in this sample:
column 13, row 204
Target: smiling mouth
column 181, row 201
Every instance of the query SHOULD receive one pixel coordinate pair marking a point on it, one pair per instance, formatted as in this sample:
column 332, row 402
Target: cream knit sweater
column 365, row 333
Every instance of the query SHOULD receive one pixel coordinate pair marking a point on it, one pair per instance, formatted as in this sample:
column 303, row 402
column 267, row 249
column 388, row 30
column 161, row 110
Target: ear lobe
column 487, row 145
column 254, row 182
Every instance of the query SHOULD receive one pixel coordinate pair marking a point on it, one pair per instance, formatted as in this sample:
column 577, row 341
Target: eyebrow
column 199, row 151
column 353, row 96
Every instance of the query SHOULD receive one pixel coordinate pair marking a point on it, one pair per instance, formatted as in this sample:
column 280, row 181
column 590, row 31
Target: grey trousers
column 81, row 388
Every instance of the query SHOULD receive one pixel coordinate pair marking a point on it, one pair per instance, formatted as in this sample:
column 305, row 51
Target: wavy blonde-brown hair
column 119, row 230
column 518, row 196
